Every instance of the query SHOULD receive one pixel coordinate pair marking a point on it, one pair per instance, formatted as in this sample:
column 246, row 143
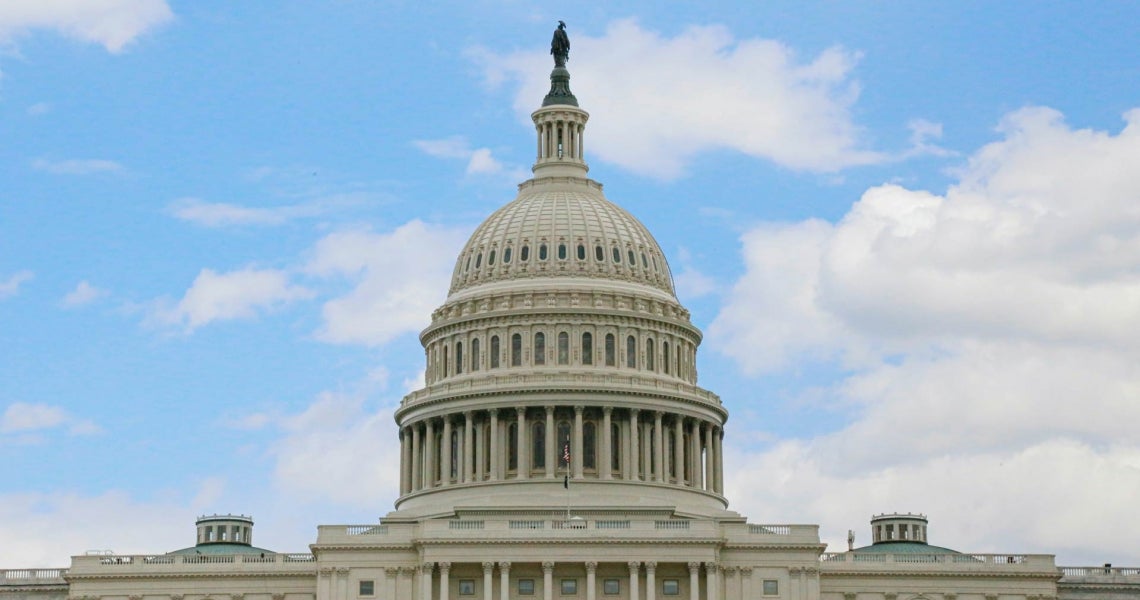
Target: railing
column 611, row 524
column 770, row 529
column 461, row 524
column 671, row 524
column 31, row 576
column 1099, row 571
column 528, row 524
column 366, row 529
column 615, row 381
column 961, row 560
column 81, row 564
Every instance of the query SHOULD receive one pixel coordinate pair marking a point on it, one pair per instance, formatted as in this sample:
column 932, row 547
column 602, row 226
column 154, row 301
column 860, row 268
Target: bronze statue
column 560, row 46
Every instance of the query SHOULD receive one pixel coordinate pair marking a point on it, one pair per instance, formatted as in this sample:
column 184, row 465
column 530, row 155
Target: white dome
column 561, row 227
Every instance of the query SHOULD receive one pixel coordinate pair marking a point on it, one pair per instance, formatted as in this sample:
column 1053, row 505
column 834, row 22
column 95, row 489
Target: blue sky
column 908, row 230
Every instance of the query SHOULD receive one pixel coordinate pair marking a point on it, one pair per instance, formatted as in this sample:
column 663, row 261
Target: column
column 647, row 451
column 444, row 580
column 408, row 576
column 695, row 456
column 711, row 582
column 679, row 449
column 488, row 580
column 538, row 130
column 633, row 445
column 745, row 582
column 607, row 443
column 405, row 459
column 504, row 581
column 390, row 574
column 445, row 451
column 480, row 459
column 659, row 440
column 342, row 583
column 709, row 459
column 551, row 462
column 794, row 576
column 468, row 446
column 694, row 581
column 429, row 455
column 812, row 574
column 731, row 582
column 634, row 566
column 425, row 581
column 325, row 581
column 494, row 444
column 591, row 580
column 576, row 456
column 651, row 581
column 718, row 441
column 547, row 580
column 524, row 464
column 417, row 458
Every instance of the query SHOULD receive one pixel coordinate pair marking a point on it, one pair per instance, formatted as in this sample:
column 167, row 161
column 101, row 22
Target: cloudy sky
column 910, row 232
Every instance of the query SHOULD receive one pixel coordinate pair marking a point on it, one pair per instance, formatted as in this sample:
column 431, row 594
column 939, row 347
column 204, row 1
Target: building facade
column 562, row 448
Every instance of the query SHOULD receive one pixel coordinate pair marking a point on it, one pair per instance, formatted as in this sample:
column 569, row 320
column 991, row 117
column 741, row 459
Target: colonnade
column 559, row 138
column 603, row 442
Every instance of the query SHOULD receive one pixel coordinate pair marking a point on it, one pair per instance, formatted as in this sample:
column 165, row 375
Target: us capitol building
column 561, row 448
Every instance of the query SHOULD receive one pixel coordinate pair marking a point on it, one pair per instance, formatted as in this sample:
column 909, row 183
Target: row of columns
column 422, row 457
column 570, row 132
column 738, row 580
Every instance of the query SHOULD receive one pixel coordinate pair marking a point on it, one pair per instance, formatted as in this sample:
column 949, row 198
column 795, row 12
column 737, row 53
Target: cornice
column 193, row 575
column 829, row 572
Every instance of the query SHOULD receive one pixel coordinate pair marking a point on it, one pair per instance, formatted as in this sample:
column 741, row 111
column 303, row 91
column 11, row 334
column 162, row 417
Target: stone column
column 633, row 446
column 710, row 460
column 794, row 587
column 390, row 574
column 731, row 582
column 488, row 580
column 494, row 475
column 405, row 459
column 429, row 455
column 647, row 451
column 504, row 581
column 325, row 589
column 444, row 580
column 711, row 575
column 417, row 458
column 551, row 462
column 342, row 583
column 650, row 581
column 607, row 443
column 695, row 581
column 745, row 582
column 718, row 440
column 445, row 453
column 547, row 580
column 679, row 449
column 659, row 456
column 634, row 568
column 524, row 464
column 408, row 576
column 425, row 581
column 480, row 458
column 468, row 446
column 696, row 469
column 591, row 580
column 576, row 448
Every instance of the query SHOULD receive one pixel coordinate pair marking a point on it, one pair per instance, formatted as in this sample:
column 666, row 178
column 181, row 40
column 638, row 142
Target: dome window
column 542, row 252
column 524, row 254
column 478, row 260
column 494, row 352
column 644, row 262
column 581, row 252
column 561, row 251
column 468, row 266
column 539, row 348
column 563, row 348
column 507, row 256
column 599, row 254
column 491, row 258
column 632, row 259
column 587, row 348
column 617, row 255
column 655, row 264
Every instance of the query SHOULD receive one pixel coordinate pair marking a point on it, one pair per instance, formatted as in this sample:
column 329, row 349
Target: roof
column 216, row 548
column 903, row 547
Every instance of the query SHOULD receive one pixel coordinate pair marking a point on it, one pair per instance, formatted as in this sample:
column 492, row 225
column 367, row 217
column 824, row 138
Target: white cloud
column 84, row 293
column 11, row 286
column 399, row 278
column 39, row 108
column 238, row 294
column 220, row 214
column 749, row 95
column 77, row 166
column 986, row 340
column 480, row 161
column 110, row 23
column 22, row 417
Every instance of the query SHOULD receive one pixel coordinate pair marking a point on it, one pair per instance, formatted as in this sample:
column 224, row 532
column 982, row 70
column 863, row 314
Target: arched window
column 599, row 254
column 513, row 447
column 454, row 451
column 542, row 252
column 631, row 352
column 524, row 254
column 617, row 255
column 475, row 354
column 589, row 445
column 540, row 348
column 491, row 258
column 478, row 260
column 563, row 442
column 609, row 349
column 446, row 350
column 649, row 362
column 507, row 256
column 538, row 445
column 587, row 348
column 458, row 357
column 581, row 252
column 632, row 259
column 494, row 352
column 615, row 447
column 516, row 350
column 561, row 251
column 665, row 357
column 563, row 348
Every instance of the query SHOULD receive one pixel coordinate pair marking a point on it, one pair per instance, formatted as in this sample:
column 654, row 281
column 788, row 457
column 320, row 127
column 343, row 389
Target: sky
column 909, row 231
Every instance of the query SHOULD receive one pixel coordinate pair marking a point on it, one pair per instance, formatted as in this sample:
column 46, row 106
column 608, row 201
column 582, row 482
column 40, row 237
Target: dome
column 561, row 227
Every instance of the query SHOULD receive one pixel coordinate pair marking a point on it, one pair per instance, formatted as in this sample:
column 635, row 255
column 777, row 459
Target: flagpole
column 566, row 481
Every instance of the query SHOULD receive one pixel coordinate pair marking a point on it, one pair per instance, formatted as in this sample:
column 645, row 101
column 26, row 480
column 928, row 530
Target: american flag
column 566, row 453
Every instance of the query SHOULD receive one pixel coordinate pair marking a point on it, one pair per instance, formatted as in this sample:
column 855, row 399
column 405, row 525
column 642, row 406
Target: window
column 563, row 348
column 563, row 440
column 649, row 364
column 615, row 447
column 478, row 260
column 513, row 447
column 540, row 348
column 367, row 588
column 569, row 587
column 467, row 267
column 587, row 348
column 524, row 254
column 516, row 350
column 494, row 352
column 561, row 251
column 466, row 587
column 644, row 263
column 538, row 445
column 491, row 258
column 526, row 587
column 632, row 259
column 665, row 357
column 771, row 587
column 507, row 256
column 670, row 587
column 611, row 587
column 631, row 352
column 446, row 351
column 581, row 252
column 458, row 357
column 589, row 446
column 542, row 252
column 617, row 255
column 609, row 349
column 599, row 254
column 475, row 354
